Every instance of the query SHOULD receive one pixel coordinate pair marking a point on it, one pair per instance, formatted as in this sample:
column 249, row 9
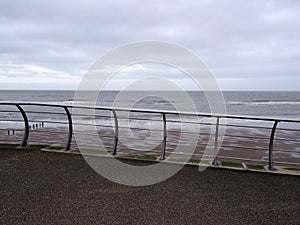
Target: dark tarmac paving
column 53, row 188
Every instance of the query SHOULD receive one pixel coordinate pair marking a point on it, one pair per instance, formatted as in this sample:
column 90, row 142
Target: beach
column 239, row 145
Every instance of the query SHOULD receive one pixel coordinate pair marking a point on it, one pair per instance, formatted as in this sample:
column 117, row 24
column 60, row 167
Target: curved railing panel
column 274, row 141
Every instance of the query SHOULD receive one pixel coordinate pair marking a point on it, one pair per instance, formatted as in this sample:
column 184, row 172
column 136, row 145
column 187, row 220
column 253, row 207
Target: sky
column 248, row 45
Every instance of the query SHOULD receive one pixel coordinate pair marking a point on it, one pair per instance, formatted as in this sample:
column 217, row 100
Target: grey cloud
column 237, row 39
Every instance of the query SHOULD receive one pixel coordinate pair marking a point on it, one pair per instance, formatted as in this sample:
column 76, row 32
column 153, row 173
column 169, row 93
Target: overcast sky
column 249, row 45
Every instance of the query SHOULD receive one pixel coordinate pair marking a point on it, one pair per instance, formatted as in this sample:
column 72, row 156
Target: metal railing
column 285, row 136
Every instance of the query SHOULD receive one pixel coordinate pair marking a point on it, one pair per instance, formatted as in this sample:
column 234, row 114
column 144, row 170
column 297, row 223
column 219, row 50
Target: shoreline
column 238, row 149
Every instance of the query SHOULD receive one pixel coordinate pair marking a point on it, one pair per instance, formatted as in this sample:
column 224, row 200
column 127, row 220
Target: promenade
column 53, row 188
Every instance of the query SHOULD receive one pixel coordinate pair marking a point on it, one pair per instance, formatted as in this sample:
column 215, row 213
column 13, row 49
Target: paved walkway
column 53, row 188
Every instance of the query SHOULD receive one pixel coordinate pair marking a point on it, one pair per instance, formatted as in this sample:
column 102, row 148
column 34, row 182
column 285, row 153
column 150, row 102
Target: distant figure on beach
column 36, row 125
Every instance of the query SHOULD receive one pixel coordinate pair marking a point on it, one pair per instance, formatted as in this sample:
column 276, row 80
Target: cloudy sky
column 248, row 45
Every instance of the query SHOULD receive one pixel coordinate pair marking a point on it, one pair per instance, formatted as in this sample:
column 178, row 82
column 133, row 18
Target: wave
column 71, row 102
column 265, row 102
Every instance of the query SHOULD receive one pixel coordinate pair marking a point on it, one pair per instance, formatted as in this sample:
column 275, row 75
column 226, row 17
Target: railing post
column 70, row 134
column 215, row 161
column 271, row 167
column 164, row 143
column 116, row 133
column 26, row 123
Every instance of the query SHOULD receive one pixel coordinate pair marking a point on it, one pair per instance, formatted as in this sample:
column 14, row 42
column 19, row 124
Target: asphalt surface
column 54, row 188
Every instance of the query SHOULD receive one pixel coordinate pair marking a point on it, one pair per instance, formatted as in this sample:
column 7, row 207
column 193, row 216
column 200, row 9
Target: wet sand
column 241, row 145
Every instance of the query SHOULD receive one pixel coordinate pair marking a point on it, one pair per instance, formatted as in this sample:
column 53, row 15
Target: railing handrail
column 169, row 112
column 163, row 113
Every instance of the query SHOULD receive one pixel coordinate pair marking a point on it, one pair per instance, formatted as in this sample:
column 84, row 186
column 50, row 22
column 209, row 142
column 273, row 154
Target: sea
column 263, row 104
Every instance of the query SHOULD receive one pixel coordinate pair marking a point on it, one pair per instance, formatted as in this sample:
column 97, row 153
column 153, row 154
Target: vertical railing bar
column 215, row 160
column 70, row 132
column 271, row 167
column 164, row 143
column 116, row 133
column 26, row 123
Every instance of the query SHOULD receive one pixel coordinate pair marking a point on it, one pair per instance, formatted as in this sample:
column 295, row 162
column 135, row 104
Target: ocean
column 265, row 104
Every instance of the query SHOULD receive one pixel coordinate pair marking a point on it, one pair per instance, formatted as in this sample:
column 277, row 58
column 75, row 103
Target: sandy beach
column 239, row 145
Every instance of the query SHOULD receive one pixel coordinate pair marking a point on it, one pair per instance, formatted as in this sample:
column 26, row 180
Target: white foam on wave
column 71, row 102
column 266, row 103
